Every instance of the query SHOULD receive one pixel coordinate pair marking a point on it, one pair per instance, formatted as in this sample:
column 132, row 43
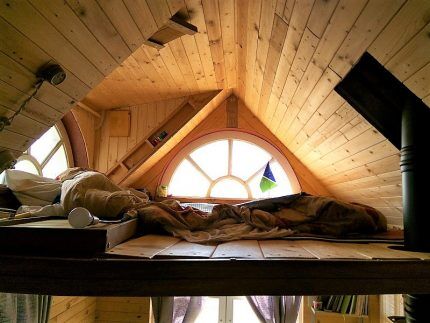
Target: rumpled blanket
column 271, row 218
column 262, row 219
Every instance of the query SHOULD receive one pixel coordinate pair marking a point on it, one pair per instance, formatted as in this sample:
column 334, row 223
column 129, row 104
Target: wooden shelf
column 321, row 316
column 333, row 317
column 174, row 28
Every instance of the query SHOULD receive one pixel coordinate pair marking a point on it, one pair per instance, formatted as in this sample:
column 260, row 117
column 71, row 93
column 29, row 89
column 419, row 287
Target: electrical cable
column 7, row 121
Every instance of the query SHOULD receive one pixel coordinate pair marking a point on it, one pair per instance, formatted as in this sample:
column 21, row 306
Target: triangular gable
column 218, row 120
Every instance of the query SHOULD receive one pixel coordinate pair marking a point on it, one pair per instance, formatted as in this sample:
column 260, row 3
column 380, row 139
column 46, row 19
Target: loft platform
column 160, row 265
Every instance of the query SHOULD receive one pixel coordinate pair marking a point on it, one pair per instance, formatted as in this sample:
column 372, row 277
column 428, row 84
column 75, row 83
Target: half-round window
column 230, row 164
column 48, row 156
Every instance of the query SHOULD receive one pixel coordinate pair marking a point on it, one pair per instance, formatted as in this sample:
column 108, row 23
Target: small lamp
column 53, row 74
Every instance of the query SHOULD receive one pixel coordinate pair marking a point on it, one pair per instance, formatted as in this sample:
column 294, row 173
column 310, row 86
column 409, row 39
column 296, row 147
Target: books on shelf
column 345, row 304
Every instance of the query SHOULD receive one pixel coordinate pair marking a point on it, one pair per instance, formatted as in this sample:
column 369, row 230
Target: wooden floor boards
column 154, row 246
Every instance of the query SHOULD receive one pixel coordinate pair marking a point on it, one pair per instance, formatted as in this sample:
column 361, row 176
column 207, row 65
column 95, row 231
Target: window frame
column 64, row 141
column 226, row 307
column 185, row 152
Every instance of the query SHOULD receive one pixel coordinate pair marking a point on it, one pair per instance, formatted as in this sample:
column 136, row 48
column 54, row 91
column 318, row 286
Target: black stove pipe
column 415, row 168
column 387, row 103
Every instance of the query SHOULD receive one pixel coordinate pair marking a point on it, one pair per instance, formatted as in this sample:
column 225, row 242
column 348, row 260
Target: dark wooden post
column 415, row 168
column 386, row 103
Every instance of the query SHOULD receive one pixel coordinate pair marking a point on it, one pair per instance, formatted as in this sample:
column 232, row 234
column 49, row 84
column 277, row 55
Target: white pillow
column 32, row 189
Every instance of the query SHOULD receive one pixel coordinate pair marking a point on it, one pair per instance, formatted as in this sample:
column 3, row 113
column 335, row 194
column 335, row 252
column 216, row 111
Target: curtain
column 289, row 308
column 22, row 308
column 176, row 309
column 276, row 309
column 263, row 307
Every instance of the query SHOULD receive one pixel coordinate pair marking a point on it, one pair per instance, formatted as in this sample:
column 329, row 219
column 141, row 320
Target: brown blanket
column 271, row 218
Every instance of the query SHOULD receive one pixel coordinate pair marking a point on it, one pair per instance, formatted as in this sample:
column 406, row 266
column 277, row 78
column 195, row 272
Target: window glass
column 254, row 185
column 247, row 159
column 283, row 183
column 229, row 187
column 243, row 312
column 283, row 186
column 26, row 166
column 45, row 144
column 188, row 181
column 46, row 157
column 224, row 310
column 210, row 310
column 212, row 158
column 57, row 164
column 204, row 169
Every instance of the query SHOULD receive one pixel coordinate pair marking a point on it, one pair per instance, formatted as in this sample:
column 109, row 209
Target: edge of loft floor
column 268, row 274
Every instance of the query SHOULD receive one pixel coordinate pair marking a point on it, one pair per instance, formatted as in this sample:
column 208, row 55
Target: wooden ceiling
column 272, row 53
column 282, row 58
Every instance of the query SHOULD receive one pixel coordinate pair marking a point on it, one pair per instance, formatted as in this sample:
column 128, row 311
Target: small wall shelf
column 159, row 136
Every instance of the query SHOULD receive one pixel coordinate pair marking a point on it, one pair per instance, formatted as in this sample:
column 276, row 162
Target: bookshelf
column 368, row 311
column 332, row 317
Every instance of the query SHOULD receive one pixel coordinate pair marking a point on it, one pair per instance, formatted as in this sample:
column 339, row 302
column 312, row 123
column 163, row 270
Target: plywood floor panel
column 249, row 249
column 284, row 249
column 144, row 247
column 184, row 249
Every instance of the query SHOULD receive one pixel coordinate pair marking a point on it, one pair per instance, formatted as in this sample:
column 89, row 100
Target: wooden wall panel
column 391, row 305
column 217, row 120
column 88, row 124
column 72, row 309
column 281, row 57
column 144, row 118
column 86, row 38
column 323, row 41
column 123, row 309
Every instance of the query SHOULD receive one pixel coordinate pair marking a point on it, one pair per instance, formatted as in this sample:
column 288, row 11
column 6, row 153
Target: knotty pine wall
column 391, row 305
column 100, row 309
column 123, row 309
column 217, row 120
column 288, row 57
column 144, row 118
column 89, row 40
column 282, row 58
column 88, row 124
column 72, row 309
column 291, row 56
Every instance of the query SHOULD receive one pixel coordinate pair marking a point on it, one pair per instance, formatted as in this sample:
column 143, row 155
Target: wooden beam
column 232, row 112
column 88, row 109
column 166, row 277
column 379, row 96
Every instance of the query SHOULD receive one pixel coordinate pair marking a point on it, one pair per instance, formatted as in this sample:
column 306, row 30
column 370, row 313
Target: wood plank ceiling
column 282, row 58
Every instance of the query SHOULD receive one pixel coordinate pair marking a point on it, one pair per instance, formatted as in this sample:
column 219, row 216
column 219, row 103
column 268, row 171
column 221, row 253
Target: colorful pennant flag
column 268, row 181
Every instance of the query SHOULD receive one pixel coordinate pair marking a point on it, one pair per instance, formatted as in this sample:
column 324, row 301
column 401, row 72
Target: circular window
column 48, row 156
column 230, row 164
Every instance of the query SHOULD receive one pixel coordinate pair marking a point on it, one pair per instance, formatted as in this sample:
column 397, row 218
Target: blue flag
column 268, row 181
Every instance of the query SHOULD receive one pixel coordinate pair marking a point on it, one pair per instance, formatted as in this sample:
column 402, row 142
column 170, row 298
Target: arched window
column 228, row 164
column 49, row 155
